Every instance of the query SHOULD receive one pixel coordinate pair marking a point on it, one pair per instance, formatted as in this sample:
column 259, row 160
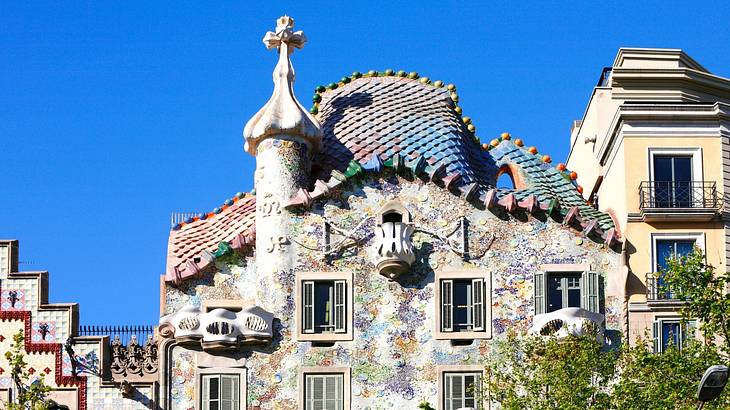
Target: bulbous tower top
column 283, row 116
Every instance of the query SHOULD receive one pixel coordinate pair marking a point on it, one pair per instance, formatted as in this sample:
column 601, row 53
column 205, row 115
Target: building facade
column 652, row 150
column 374, row 265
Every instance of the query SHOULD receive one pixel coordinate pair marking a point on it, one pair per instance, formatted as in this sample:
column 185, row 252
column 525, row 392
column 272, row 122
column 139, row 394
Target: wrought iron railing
column 678, row 194
column 125, row 333
column 655, row 290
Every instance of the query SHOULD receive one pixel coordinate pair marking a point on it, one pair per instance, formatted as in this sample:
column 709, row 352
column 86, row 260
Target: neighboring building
column 372, row 267
column 652, row 150
column 84, row 374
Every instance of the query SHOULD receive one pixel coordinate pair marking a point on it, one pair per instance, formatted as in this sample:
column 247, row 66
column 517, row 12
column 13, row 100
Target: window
column 324, row 391
column 463, row 305
column 324, row 306
column 675, row 178
column 324, row 388
column 563, row 286
column 672, row 181
column 563, row 290
column 461, row 390
column 672, row 332
column 668, row 246
column 220, row 391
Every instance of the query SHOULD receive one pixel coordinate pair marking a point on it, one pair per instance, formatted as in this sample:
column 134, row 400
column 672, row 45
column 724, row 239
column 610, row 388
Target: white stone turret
column 283, row 136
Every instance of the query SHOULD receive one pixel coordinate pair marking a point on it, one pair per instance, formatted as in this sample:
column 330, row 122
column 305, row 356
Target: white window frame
column 694, row 152
column 587, row 293
column 320, row 370
column 658, row 338
column 443, row 370
column 337, row 277
column 486, row 331
column 241, row 372
column 698, row 237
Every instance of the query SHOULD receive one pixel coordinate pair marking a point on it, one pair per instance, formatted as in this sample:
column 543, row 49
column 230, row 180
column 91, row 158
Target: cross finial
column 285, row 34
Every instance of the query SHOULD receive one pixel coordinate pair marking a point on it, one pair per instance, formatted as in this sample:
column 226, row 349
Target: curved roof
column 385, row 116
column 414, row 126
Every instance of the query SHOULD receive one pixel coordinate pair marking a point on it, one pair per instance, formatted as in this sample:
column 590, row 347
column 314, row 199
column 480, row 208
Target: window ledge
column 482, row 334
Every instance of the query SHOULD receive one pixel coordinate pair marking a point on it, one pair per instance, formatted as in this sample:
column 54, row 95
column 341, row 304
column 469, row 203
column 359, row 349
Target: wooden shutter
column 206, row 393
column 308, row 304
column 340, row 313
column 589, row 289
column 229, row 392
column 657, row 333
column 539, row 292
column 477, row 300
column 447, row 305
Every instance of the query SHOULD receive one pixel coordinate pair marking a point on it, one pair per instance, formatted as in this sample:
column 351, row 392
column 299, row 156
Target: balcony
column 656, row 296
column 678, row 200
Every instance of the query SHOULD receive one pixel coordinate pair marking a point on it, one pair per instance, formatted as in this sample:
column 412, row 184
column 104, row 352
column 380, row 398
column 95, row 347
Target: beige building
column 652, row 150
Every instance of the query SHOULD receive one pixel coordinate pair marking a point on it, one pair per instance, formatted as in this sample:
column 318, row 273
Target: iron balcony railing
column 678, row 194
column 124, row 332
column 655, row 289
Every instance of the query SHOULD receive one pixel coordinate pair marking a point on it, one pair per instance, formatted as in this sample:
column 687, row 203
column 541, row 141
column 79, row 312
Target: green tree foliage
column 533, row 372
column 29, row 394
column 536, row 372
column 705, row 295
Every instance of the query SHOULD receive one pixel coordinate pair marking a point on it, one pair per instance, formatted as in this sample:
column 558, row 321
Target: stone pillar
column 282, row 168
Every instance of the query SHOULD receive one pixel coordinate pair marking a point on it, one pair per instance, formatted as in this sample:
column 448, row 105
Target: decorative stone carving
column 568, row 321
column 133, row 359
column 394, row 250
column 221, row 328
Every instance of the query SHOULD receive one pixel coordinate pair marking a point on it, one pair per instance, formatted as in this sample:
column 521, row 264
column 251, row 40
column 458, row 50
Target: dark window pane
column 323, row 307
column 214, row 388
column 555, row 293
column 662, row 169
column 574, row 298
column 462, row 305
column 670, row 334
column 682, row 169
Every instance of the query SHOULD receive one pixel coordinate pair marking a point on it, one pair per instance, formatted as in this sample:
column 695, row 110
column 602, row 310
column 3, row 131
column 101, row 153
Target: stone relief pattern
column 393, row 355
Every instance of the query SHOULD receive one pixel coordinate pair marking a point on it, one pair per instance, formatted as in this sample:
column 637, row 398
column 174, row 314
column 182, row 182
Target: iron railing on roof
column 125, row 333
column 678, row 194
column 179, row 217
column 656, row 290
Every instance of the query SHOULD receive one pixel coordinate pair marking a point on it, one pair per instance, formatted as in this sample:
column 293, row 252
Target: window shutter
column 206, row 392
column 229, row 392
column 590, row 291
column 308, row 303
column 477, row 289
column 691, row 332
column 340, row 313
column 447, row 305
column 657, row 336
column 539, row 292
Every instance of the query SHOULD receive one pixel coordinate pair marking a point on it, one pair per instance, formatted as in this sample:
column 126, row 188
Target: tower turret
column 283, row 137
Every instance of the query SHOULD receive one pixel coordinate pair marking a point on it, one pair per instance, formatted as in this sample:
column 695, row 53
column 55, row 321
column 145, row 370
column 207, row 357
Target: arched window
column 509, row 177
column 394, row 211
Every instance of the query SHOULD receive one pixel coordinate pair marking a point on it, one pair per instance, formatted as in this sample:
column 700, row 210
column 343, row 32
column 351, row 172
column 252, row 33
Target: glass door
column 672, row 184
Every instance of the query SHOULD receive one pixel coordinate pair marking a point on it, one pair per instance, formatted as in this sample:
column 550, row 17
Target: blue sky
column 114, row 115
